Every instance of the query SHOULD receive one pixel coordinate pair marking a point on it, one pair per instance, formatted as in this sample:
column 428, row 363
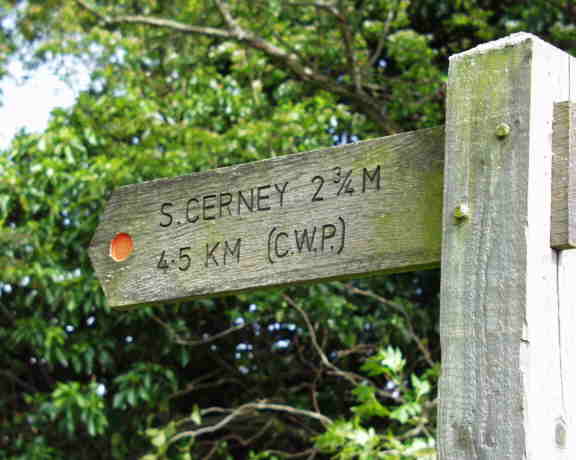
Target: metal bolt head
column 560, row 433
column 462, row 211
column 502, row 130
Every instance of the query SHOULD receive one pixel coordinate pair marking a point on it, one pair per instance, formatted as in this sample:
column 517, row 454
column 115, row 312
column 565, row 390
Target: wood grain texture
column 564, row 176
column 500, row 386
column 365, row 208
column 566, row 422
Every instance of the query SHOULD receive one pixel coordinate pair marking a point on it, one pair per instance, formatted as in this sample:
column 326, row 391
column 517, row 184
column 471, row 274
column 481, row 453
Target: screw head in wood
column 462, row 212
column 560, row 433
column 502, row 130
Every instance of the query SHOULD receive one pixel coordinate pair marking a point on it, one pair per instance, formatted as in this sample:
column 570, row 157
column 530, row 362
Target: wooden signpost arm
column 507, row 321
column 346, row 211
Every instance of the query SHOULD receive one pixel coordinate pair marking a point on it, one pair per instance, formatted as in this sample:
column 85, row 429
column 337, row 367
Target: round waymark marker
column 121, row 247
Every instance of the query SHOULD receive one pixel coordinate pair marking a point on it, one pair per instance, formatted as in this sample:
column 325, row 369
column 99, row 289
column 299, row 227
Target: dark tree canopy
column 342, row 370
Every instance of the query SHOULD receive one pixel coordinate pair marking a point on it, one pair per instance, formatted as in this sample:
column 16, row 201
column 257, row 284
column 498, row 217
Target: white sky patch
column 101, row 389
column 26, row 102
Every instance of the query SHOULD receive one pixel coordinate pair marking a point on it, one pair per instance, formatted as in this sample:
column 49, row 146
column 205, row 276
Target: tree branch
column 242, row 410
column 241, row 440
column 230, row 21
column 156, row 22
column 289, row 61
column 423, row 348
column 19, row 381
column 93, row 11
column 392, row 14
column 348, row 39
column 311, row 453
column 194, row 343
column 292, row 410
column 318, row 5
column 197, row 384
column 352, row 378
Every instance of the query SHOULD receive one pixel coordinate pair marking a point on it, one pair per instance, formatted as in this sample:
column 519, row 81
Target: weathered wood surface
column 564, row 176
column 500, row 390
column 346, row 211
column 566, row 422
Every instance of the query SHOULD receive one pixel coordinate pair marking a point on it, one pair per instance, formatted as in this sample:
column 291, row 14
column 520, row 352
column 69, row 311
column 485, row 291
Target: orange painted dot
column 121, row 247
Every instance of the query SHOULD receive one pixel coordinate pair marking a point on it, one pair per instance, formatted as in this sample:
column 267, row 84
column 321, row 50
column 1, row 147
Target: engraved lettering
column 185, row 259
column 371, row 177
column 222, row 253
column 260, row 197
column 224, row 202
column 206, row 207
column 343, row 237
column 346, row 184
column 162, row 263
column 164, row 213
column 328, row 232
column 269, row 245
column 191, row 218
column 281, row 191
column 303, row 242
column 320, row 181
column 284, row 253
column 301, row 238
column 234, row 252
column 242, row 199
column 210, row 254
column 337, row 174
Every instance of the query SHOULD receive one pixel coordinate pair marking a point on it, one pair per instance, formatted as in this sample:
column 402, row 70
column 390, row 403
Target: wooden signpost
column 492, row 201
column 370, row 207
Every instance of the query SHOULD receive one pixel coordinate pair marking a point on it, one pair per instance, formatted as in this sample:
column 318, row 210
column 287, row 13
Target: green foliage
column 72, row 406
column 407, row 403
column 160, row 439
column 337, row 370
column 143, row 384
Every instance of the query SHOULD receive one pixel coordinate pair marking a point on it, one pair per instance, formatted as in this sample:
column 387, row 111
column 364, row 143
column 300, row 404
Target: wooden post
column 508, row 314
